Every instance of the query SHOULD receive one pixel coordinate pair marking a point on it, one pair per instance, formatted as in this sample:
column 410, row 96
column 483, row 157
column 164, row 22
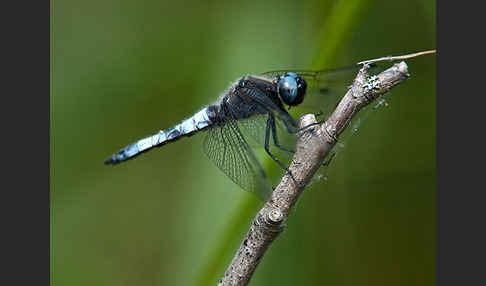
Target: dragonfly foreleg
column 267, row 147
column 275, row 137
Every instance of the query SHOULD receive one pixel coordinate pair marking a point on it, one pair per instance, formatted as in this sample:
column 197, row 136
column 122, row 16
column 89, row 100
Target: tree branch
column 314, row 144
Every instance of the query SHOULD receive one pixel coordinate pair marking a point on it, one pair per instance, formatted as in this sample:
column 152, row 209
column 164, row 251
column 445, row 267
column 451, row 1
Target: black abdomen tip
column 111, row 161
column 123, row 155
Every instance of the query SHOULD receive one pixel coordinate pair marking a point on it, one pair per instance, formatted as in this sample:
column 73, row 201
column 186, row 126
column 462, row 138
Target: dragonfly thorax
column 291, row 89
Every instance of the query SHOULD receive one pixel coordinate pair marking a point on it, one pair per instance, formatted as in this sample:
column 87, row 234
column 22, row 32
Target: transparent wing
column 324, row 87
column 227, row 148
column 254, row 130
column 321, row 80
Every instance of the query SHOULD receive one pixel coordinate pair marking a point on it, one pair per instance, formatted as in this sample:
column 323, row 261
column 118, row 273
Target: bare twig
column 313, row 145
column 396, row 58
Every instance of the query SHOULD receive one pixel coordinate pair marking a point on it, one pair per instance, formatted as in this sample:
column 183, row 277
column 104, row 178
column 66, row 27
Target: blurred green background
column 122, row 70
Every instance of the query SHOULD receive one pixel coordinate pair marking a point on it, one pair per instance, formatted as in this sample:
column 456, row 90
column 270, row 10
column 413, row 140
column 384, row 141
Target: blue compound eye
column 291, row 89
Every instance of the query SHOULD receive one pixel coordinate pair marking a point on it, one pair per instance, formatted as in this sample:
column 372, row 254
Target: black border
column 461, row 235
column 25, row 142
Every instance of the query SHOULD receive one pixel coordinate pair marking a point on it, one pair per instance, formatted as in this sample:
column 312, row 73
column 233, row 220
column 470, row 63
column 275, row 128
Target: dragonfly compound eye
column 291, row 89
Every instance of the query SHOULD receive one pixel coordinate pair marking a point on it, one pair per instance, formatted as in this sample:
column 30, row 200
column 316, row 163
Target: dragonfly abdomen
column 199, row 121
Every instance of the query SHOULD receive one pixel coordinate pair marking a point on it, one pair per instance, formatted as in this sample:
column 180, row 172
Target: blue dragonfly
column 252, row 109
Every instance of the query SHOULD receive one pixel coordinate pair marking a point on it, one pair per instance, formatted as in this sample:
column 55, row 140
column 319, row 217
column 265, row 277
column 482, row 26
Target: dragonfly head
column 291, row 89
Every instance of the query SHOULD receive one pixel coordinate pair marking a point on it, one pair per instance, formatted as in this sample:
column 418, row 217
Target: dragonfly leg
column 275, row 138
column 267, row 147
column 290, row 129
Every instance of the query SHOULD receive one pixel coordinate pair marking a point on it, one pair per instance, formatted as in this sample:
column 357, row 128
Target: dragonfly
column 254, row 108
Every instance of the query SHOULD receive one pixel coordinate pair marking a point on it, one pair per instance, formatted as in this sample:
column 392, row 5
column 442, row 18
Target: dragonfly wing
column 325, row 88
column 228, row 149
column 320, row 80
column 254, row 129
